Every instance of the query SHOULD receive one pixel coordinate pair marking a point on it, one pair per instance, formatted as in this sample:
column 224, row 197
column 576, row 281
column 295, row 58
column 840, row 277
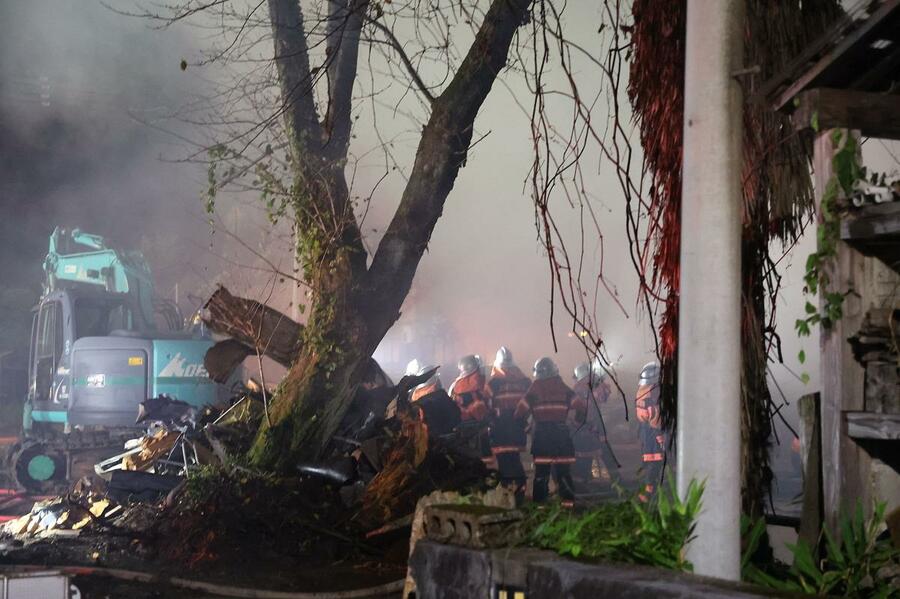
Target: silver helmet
column 582, row 370
column 413, row 368
column 599, row 368
column 434, row 380
column 469, row 364
column 504, row 358
column 649, row 374
column 545, row 368
column 594, row 368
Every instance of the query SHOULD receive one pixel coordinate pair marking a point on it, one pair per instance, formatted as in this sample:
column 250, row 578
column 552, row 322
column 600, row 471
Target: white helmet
column 413, row 368
column 504, row 358
column 545, row 368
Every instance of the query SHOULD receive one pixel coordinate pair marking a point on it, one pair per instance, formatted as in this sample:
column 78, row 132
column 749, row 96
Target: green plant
column 627, row 531
column 846, row 171
column 855, row 565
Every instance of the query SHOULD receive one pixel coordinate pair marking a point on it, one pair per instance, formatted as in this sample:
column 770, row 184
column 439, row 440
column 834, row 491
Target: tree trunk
column 353, row 308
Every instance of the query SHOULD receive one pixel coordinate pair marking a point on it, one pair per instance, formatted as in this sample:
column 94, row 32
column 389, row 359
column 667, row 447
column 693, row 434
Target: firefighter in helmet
column 588, row 429
column 653, row 438
column 471, row 394
column 440, row 413
column 508, row 385
column 549, row 400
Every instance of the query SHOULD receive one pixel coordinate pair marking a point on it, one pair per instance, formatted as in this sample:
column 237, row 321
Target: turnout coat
column 508, row 388
column 588, row 429
column 549, row 401
column 653, row 439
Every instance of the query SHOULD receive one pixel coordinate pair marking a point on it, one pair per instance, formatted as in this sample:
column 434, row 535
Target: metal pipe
column 709, row 350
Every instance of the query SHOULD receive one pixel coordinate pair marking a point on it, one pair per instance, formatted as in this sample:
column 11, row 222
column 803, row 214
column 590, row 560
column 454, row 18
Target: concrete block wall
column 450, row 572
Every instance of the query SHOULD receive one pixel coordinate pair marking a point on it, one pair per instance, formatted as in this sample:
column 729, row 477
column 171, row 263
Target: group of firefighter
column 567, row 428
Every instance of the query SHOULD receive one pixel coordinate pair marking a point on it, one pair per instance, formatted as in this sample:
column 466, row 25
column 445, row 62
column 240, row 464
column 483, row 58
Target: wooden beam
column 874, row 115
column 771, row 88
column 871, row 425
column 875, row 231
column 809, row 76
column 811, row 446
column 845, row 466
column 879, row 435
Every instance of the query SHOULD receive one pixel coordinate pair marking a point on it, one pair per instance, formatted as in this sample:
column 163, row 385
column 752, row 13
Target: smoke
column 78, row 83
column 77, row 79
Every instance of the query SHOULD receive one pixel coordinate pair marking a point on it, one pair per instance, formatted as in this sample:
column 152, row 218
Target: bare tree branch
column 394, row 43
column 441, row 153
column 342, row 71
column 292, row 62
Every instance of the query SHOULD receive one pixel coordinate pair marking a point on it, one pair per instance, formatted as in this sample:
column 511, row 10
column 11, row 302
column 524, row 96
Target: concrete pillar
column 709, row 342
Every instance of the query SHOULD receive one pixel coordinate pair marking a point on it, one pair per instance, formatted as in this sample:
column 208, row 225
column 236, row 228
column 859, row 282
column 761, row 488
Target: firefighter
column 653, row 439
column 439, row 413
column 549, row 400
column 471, row 394
column 508, row 385
column 588, row 429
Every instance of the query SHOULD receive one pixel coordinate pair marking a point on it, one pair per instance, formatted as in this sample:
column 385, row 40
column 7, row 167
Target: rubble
column 476, row 526
column 496, row 498
column 62, row 516
column 180, row 495
column 152, row 447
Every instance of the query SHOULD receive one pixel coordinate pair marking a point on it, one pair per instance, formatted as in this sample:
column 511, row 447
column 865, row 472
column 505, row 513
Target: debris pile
column 179, row 440
column 83, row 509
column 183, row 493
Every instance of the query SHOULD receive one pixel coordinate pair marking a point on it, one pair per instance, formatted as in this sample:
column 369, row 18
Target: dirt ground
column 250, row 533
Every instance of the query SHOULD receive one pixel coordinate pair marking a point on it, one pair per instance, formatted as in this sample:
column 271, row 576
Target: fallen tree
column 253, row 325
column 253, row 328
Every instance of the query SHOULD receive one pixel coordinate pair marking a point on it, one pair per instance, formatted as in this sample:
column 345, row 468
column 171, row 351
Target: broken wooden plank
column 873, row 114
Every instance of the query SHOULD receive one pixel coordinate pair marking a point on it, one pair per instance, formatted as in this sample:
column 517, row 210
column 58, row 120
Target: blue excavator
column 101, row 344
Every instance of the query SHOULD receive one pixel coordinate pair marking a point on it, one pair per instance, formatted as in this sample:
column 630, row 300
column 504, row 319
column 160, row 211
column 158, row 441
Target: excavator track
column 49, row 464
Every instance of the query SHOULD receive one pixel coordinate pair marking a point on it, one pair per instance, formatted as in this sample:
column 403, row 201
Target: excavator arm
column 78, row 259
